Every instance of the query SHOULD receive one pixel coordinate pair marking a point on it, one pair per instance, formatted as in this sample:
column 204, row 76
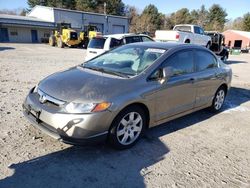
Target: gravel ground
column 198, row 150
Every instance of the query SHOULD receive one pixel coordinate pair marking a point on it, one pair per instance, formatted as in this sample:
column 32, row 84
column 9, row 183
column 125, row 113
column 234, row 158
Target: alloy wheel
column 219, row 99
column 129, row 128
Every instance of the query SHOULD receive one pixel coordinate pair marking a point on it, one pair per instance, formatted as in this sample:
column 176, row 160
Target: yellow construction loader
column 66, row 36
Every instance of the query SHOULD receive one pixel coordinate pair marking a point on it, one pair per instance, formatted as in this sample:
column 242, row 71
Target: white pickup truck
column 184, row 33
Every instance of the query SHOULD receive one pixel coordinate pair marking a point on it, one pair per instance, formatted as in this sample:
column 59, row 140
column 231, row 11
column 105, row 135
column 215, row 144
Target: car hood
column 79, row 84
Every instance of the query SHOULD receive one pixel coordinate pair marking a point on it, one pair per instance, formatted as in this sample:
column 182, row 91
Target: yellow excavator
column 66, row 36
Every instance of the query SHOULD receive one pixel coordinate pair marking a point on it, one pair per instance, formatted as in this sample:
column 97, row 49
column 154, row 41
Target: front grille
column 48, row 100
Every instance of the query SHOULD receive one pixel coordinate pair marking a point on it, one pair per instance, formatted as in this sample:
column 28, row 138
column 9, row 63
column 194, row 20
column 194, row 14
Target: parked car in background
column 184, row 33
column 218, row 44
column 99, row 45
column 118, row 95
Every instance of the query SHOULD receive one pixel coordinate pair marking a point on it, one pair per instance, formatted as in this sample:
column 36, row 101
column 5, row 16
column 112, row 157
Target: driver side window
column 181, row 63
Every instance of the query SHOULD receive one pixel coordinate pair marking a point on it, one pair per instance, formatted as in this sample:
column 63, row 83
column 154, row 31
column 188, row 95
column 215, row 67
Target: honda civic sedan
column 118, row 95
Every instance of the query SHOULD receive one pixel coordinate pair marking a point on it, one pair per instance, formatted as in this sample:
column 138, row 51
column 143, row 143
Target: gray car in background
column 118, row 95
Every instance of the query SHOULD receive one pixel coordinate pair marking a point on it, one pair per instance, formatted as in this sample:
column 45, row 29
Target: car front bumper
column 68, row 128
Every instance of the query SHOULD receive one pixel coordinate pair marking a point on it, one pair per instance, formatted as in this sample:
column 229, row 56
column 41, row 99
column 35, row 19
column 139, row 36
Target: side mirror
column 167, row 72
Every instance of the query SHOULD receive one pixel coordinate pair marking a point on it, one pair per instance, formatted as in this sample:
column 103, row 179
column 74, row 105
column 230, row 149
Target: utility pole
column 105, row 8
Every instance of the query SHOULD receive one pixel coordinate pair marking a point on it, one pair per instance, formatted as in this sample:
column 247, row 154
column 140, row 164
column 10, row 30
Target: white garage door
column 116, row 29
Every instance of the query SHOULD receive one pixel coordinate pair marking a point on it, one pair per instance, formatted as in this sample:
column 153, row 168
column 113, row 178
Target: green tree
column 133, row 16
column 86, row 5
column 114, row 7
column 216, row 18
column 169, row 22
column 235, row 24
column 150, row 19
column 182, row 16
column 68, row 4
column 33, row 3
column 246, row 22
column 202, row 17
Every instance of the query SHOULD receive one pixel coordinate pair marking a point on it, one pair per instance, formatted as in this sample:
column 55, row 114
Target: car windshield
column 97, row 43
column 126, row 60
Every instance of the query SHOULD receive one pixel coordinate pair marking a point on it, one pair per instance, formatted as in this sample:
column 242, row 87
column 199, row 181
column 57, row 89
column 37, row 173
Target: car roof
column 166, row 45
column 120, row 36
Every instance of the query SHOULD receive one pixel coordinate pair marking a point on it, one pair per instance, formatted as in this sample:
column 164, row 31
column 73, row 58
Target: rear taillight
column 177, row 36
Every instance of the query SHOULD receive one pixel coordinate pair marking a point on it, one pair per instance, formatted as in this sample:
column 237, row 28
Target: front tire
column 219, row 99
column 52, row 41
column 127, row 128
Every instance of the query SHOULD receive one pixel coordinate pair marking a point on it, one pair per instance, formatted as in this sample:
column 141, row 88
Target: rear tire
column 219, row 99
column 60, row 43
column 127, row 127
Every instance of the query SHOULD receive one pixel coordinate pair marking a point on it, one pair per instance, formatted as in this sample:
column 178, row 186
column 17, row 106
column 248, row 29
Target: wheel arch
column 187, row 40
column 225, row 86
column 143, row 106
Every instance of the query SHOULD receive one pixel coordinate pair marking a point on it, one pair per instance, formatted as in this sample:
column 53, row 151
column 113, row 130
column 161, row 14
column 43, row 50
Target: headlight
column 86, row 108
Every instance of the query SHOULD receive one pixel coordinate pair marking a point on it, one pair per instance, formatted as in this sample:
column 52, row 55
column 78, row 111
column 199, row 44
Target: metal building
column 24, row 29
column 107, row 24
column 41, row 20
column 237, row 39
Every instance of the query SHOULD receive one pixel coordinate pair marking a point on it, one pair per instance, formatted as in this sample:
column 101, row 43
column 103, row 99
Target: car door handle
column 93, row 52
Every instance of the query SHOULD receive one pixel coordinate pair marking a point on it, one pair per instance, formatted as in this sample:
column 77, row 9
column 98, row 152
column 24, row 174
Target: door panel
column 207, row 84
column 34, row 37
column 4, row 35
column 207, row 79
column 175, row 96
column 178, row 93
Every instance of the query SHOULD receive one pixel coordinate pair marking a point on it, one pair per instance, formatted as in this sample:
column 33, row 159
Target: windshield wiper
column 117, row 73
column 94, row 68
column 107, row 71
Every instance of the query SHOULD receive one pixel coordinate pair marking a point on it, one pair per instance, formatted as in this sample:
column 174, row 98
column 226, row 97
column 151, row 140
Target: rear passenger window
column 97, row 43
column 204, row 60
column 181, row 62
column 133, row 39
column 115, row 43
column 146, row 39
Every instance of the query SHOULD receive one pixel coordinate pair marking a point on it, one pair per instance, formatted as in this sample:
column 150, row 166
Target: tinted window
column 201, row 31
column 204, row 60
column 97, row 43
column 115, row 43
column 73, row 36
column 182, row 63
column 145, row 39
column 197, row 30
column 132, row 39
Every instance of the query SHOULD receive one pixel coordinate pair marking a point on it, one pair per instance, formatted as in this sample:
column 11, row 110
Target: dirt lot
column 198, row 150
